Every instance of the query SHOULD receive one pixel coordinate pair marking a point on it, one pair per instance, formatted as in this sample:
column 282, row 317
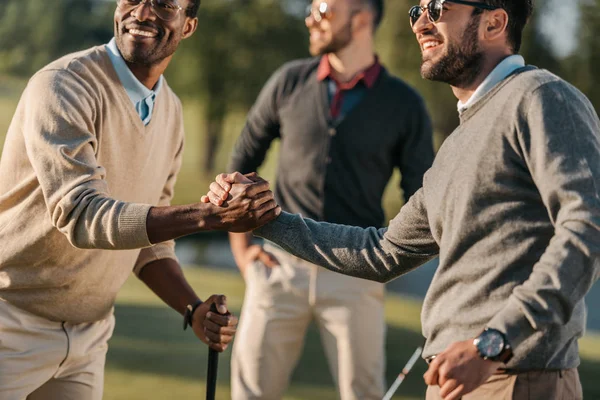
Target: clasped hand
column 245, row 201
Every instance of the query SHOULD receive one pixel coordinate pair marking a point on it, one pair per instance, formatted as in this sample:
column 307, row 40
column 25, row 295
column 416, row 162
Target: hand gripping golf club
column 403, row 374
column 213, row 364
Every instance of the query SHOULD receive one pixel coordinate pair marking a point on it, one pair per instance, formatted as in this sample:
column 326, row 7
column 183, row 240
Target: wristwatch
column 492, row 345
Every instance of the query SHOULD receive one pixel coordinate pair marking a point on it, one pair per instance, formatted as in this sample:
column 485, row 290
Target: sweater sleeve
column 166, row 249
column 62, row 146
column 262, row 127
column 415, row 152
column 375, row 254
column 560, row 139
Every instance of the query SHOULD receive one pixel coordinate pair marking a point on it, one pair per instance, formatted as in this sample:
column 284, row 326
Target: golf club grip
column 213, row 364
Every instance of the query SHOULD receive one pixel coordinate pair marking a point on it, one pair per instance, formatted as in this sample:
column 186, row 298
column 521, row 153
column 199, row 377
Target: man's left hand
column 459, row 370
column 214, row 329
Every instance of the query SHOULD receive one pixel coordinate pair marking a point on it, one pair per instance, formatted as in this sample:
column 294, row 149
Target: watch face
column 490, row 344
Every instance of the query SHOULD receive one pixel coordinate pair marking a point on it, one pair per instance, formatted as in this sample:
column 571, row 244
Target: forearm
column 239, row 243
column 363, row 253
column 167, row 223
column 165, row 278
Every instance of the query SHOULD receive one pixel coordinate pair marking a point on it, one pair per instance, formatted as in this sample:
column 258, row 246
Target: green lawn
column 151, row 357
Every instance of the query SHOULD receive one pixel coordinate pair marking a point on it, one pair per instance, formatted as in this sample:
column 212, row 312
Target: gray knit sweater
column 510, row 206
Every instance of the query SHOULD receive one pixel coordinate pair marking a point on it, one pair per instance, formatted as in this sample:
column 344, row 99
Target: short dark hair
column 519, row 12
column 192, row 9
column 377, row 9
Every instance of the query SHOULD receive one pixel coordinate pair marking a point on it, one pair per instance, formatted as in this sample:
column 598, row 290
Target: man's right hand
column 247, row 256
column 244, row 203
column 220, row 189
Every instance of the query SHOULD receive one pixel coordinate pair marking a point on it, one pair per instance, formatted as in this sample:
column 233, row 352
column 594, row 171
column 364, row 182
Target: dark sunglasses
column 435, row 7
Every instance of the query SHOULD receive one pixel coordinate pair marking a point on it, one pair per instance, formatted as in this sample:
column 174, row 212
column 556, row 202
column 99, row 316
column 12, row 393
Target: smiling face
column 334, row 32
column 145, row 39
column 450, row 48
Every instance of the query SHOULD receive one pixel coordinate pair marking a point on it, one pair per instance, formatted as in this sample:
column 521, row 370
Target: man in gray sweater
column 510, row 206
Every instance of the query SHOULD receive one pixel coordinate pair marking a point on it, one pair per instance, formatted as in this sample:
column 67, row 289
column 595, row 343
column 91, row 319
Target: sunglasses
column 435, row 7
column 319, row 13
column 166, row 10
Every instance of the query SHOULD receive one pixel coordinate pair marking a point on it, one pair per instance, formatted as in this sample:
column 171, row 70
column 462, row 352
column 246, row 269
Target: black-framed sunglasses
column 435, row 7
column 166, row 10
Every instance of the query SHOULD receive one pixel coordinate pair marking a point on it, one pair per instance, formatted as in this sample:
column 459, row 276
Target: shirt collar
column 509, row 65
column 368, row 76
column 135, row 89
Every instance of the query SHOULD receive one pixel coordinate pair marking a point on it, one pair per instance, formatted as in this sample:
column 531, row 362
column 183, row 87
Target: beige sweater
column 78, row 175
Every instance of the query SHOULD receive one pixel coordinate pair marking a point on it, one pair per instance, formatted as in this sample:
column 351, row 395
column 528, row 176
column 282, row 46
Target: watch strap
column 189, row 312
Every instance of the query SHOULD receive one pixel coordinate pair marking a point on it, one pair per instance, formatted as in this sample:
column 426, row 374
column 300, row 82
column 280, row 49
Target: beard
column 338, row 42
column 462, row 62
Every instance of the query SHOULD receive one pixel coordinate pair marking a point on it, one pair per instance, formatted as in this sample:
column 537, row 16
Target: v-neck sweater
column 78, row 175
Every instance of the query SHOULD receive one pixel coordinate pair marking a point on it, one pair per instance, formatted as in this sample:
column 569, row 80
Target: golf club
column 213, row 364
column 403, row 374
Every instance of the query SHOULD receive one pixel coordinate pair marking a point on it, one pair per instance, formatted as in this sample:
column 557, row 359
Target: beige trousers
column 535, row 385
column 279, row 305
column 45, row 360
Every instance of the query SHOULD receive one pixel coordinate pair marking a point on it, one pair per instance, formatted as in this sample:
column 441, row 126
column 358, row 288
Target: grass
column 151, row 357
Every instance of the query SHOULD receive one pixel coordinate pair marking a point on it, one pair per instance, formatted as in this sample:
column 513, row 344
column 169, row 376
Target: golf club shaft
column 403, row 374
column 213, row 364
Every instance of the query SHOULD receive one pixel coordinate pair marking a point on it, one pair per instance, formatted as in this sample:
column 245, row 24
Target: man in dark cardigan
column 345, row 123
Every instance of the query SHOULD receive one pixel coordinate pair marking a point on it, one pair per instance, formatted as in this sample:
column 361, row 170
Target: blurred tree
column 537, row 48
column 577, row 68
column 238, row 45
column 33, row 33
column 587, row 58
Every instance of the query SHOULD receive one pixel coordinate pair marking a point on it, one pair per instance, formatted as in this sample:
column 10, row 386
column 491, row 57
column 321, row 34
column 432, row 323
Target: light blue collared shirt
column 505, row 68
column 141, row 97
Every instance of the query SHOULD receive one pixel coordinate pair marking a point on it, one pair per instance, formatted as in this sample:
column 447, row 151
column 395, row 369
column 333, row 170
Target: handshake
column 241, row 203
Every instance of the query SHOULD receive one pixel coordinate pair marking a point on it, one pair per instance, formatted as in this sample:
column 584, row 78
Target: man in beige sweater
column 86, row 179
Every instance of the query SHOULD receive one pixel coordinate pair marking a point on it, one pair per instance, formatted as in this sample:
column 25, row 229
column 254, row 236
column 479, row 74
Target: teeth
column 430, row 44
column 142, row 33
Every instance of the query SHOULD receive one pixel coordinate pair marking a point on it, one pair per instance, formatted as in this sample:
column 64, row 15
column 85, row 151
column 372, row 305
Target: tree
column 588, row 56
column 34, row 33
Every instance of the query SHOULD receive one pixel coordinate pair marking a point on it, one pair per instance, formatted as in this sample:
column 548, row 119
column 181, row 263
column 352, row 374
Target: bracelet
column 189, row 312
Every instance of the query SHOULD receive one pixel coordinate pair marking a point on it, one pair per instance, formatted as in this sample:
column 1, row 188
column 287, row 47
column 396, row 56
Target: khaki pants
column 45, row 360
column 278, row 307
column 542, row 385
